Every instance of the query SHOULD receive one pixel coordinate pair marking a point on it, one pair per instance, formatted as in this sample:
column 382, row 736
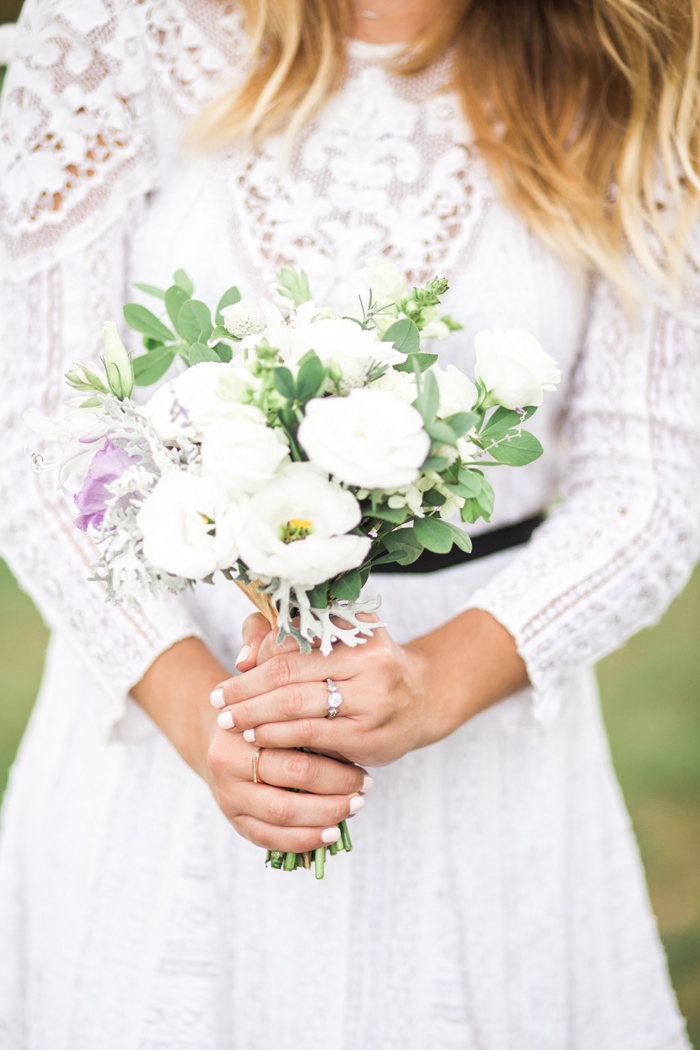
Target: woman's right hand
column 175, row 693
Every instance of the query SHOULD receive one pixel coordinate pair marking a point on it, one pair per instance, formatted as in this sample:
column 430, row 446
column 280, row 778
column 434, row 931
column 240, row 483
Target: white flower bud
column 120, row 373
column 244, row 318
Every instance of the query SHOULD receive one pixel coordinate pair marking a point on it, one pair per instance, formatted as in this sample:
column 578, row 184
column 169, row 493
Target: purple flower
column 107, row 465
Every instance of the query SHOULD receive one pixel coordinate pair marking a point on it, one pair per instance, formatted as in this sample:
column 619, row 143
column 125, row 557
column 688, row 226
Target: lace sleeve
column 72, row 187
column 623, row 540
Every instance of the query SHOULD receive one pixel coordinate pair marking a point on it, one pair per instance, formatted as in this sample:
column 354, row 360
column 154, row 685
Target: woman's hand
column 175, row 692
column 395, row 698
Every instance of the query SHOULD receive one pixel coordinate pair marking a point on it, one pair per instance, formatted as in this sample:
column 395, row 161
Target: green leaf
column 151, row 344
column 397, row 515
column 318, row 596
column 471, row 511
column 500, row 423
column 485, row 499
column 461, row 422
column 441, row 433
column 284, row 383
column 142, row 320
column 294, row 285
column 404, row 335
column 311, row 377
column 194, row 321
column 460, row 538
column 434, row 534
column 434, row 498
column 347, row 587
column 201, row 352
column 219, row 332
column 181, row 278
column 404, row 545
column 469, row 484
column 175, row 299
column 436, row 463
column 149, row 289
column 520, row 450
column 417, row 363
column 230, row 296
column 224, row 351
column 150, row 367
column 428, row 400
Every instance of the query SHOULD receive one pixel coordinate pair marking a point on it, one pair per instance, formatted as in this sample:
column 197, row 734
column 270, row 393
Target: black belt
column 487, row 543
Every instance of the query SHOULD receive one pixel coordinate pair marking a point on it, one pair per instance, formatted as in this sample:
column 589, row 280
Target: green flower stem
column 345, row 835
column 290, row 861
column 320, row 861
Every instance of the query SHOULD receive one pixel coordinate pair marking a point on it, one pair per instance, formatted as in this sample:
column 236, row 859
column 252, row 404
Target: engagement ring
column 334, row 698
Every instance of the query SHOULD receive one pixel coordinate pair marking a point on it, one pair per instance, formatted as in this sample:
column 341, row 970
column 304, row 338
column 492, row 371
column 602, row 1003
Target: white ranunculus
column 178, row 520
column 514, row 368
column 368, row 438
column 457, row 392
column 190, row 402
column 336, row 339
column 242, row 453
column 387, row 281
column 296, row 529
column 244, row 318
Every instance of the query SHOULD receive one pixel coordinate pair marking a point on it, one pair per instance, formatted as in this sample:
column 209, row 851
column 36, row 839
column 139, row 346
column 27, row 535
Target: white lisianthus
column 296, row 527
column 514, row 368
column 243, row 318
column 179, row 521
column 457, row 392
column 401, row 385
column 190, row 402
column 387, row 281
column 368, row 438
column 241, row 452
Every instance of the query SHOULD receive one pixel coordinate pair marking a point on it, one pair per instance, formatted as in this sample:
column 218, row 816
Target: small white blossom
column 241, row 452
column 514, row 368
column 244, row 318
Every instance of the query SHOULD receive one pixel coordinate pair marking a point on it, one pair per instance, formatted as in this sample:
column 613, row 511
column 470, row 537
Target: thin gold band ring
column 257, row 779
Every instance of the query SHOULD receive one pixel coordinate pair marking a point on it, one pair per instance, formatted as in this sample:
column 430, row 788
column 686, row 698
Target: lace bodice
column 96, row 192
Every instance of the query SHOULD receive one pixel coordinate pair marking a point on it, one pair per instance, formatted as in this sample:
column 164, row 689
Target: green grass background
column 651, row 701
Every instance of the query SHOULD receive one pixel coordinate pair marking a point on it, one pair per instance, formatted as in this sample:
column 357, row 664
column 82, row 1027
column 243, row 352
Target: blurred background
column 651, row 703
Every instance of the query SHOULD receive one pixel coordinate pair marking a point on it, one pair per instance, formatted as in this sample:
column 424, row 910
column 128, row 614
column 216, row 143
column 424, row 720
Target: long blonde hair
column 586, row 111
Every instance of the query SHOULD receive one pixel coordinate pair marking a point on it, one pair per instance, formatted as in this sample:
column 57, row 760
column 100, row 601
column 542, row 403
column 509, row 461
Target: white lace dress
column 494, row 900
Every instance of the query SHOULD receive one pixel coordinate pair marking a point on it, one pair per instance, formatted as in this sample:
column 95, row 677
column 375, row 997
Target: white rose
column 436, row 330
column 178, row 520
column 242, row 453
column 368, row 438
column 295, row 529
column 387, row 281
column 398, row 384
column 514, row 368
column 243, row 318
column 457, row 392
column 187, row 404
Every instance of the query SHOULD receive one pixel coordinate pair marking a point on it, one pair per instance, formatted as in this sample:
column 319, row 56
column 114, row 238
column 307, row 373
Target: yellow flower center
column 295, row 529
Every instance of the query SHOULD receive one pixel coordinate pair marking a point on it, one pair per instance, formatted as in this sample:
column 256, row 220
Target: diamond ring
column 334, row 698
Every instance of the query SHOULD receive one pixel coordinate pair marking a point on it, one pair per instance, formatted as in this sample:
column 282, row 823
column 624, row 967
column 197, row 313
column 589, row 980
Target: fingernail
column 243, row 655
column 249, row 735
column 225, row 720
column 356, row 803
column 329, row 835
column 217, row 698
column 367, row 784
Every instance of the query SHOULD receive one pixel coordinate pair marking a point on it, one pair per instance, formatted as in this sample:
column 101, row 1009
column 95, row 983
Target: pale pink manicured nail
column 217, row 698
column 356, row 803
column 243, row 655
column 225, row 720
column 330, row 835
column 367, row 784
column 249, row 735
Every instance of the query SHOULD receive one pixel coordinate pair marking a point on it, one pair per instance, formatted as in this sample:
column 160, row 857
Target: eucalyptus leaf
column 310, row 378
column 436, row 463
column 149, row 289
column 318, row 596
column 181, row 278
column 201, row 352
column 468, row 486
column 521, row 449
column 498, row 425
column 404, row 335
column 396, row 515
column 428, row 400
column 175, row 299
column 434, row 534
column 142, row 320
column 149, row 368
column 434, row 498
column 194, row 321
column 417, row 363
column 461, row 422
column 486, row 498
column 460, row 538
column 441, row 433
column 347, row 587
column 404, row 545
column 284, row 383
column 230, row 296
column 224, row 352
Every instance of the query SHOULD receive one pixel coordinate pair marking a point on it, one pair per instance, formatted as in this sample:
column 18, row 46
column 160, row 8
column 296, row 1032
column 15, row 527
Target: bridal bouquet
column 294, row 451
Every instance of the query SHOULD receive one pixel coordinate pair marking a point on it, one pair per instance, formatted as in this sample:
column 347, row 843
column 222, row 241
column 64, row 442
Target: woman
column 544, row 157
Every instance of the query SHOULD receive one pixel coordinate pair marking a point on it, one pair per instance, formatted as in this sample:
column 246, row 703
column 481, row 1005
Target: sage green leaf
column 404, row 335
column 460, row 538
column 428, row 400
column 318, row 596
column 151, row 344
column 461, row 422
column 310, row 378
column 416, row 363
column 224, row 351
column 468, row 486
column 396, row 515
column 142, row 320
column 436, row 463
column 219, row 332
column 404, row 545
column 441, row 433
column 230, row 296
column 150, row 367
column 181, row 278
column 433, row 498
column 149, row 289
column 175, row 299
column 347, row 587
column 485, row 499
column 434, row 534
column 472, row 511
column 194, row 321
column 201, row 352
column 498, row 425
column 284, row 383
column 521, row 449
